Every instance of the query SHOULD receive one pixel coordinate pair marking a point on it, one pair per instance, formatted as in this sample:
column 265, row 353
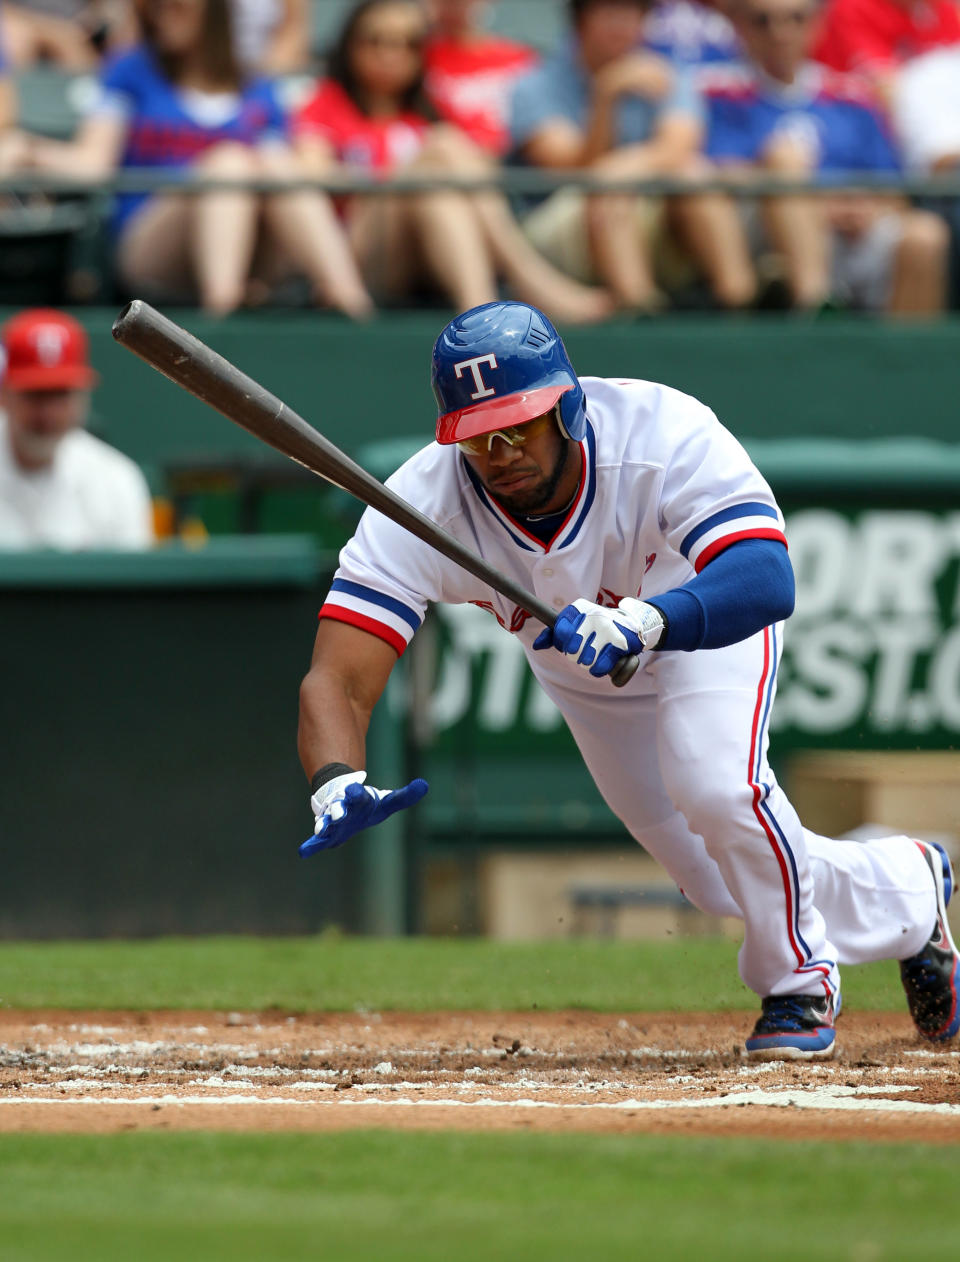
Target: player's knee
column 710, row 801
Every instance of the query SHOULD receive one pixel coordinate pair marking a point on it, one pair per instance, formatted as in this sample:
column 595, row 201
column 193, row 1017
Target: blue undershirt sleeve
column 743, row 589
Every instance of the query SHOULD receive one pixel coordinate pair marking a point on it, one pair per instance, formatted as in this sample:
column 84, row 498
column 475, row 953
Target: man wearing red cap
column 59, row 486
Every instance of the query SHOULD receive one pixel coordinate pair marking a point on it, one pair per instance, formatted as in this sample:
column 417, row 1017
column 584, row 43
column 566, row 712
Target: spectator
column 784, row 115
column 910, row 51
column 178, row 103
column 70, row 34
column 470, row 73
column 371, row 114
column 602, row 104
column 925, row 106
column 877, row 37
column 59, row 486
column 272, row 37
column 691, row 33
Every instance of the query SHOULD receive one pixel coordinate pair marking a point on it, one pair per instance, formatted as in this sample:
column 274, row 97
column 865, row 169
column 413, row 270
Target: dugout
column 148, row 708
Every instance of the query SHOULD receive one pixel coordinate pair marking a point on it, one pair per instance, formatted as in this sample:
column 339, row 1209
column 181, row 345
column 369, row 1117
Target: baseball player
column 630, row 508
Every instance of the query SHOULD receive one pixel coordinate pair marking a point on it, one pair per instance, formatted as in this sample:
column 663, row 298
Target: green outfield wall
column 765, row 378
column 149, row 709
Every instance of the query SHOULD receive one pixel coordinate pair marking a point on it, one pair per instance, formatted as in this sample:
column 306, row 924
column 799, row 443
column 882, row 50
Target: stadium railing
column 57, row 245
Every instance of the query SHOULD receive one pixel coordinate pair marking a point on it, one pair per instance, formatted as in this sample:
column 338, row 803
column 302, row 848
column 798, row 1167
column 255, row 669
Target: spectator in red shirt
column 470, row 72
column 876, row 37
column 910, row 51
column 371, row 113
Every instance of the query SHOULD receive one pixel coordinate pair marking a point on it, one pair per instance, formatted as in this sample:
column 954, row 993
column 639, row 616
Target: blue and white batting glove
column 601, row 637
column 345, row 805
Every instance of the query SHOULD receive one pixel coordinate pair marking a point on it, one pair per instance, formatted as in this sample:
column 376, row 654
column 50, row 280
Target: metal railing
column 515, row 181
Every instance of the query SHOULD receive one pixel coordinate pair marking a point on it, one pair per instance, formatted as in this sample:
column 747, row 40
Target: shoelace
column 784, row 1008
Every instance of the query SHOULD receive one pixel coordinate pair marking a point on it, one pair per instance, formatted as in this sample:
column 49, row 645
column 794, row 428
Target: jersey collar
column 576, row 514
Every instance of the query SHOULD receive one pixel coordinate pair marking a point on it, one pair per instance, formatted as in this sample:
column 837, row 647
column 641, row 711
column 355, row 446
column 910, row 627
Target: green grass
column 371, row 1196
column 376, row 1196
column 343, row 974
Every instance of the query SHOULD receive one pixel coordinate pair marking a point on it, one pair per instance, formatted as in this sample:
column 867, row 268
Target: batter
column 633, row 498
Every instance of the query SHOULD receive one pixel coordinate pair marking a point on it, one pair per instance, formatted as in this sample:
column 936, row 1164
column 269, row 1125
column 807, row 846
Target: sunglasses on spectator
column 765, row 21
column 512, row 435
column 376, row 39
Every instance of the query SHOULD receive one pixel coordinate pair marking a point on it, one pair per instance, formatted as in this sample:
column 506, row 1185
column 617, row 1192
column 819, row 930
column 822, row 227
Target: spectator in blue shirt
column 783, row 115
column 603, row 103
column 179, row 103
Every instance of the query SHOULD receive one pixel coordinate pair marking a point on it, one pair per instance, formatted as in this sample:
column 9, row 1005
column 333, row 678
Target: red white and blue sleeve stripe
column 750, row 520
column 381, row 615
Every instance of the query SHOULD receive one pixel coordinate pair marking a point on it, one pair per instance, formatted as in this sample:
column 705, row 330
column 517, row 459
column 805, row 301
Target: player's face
column 539, row 475
column 777, row 33
column 39, row 419
column 386, row 49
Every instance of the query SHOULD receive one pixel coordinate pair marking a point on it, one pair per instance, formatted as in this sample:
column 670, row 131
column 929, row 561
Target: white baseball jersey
column 664, row 488
column 91, row 496
column 680, row 753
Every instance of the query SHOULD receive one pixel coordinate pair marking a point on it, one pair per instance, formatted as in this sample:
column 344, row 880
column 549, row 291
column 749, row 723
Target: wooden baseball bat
column 194, row 366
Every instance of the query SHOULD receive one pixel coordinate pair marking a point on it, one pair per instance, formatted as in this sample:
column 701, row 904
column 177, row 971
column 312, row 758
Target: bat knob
column 625, row 670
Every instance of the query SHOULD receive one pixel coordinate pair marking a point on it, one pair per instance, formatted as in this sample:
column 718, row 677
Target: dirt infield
column 112, row 1071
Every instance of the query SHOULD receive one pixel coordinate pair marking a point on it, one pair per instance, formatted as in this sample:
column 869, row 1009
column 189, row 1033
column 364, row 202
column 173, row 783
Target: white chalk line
column 822, row 1099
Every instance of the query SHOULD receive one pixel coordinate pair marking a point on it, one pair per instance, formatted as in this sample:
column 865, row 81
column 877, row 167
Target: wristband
column 662, row 642
column 328, row 772
column 648, row 621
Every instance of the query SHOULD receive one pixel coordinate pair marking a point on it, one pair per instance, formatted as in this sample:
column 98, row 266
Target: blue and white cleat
column 930, row 976
column 795, row 1027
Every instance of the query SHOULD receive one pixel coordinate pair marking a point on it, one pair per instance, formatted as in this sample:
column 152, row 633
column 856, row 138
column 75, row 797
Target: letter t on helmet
column 503, row 364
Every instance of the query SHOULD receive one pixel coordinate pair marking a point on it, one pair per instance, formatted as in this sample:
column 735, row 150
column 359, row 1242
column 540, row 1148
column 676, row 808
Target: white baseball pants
column 681, row 758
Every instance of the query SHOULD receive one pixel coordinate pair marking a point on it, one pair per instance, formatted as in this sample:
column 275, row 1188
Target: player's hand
column 345, row 805
column 601, row 637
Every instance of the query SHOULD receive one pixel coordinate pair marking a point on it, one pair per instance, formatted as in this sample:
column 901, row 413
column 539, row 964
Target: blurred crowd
column 797, row 92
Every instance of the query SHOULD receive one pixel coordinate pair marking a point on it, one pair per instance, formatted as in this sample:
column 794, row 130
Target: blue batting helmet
column 503, row 364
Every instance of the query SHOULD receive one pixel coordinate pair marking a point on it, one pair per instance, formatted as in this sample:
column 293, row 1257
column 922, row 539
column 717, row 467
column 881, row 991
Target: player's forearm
column 332, row 727
column 741, row 591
